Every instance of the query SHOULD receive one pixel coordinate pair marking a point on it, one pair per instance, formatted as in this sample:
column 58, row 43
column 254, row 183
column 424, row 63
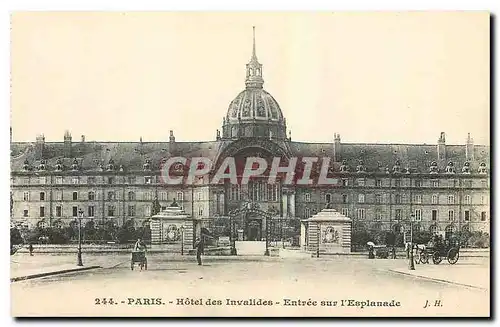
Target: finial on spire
column 254, row 53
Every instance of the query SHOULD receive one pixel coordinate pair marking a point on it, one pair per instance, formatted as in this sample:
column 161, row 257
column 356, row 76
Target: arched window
column 448, row 232
column 398, row 198
column 435, row 199
column 344, row 198
column 131, row 196
column 433, row 229
column 328, row 198
column 91, row 196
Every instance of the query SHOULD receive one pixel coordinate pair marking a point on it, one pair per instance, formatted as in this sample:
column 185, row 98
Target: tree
column 127, row 232
column 15, row 237
column 359, row 238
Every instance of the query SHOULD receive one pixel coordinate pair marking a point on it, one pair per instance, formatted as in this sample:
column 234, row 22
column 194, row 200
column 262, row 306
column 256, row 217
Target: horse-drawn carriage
column 437, row 251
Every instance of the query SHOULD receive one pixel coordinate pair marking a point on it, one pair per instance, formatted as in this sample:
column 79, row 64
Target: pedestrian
column 31, row 249
column 199, row 245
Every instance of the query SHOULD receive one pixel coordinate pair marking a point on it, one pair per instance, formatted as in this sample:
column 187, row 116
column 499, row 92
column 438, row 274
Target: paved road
column 278, row 280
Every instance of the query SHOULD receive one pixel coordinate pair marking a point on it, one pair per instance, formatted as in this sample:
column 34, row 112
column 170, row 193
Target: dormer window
column 58, row 165
column 387, row 170
column 344, row 168
column 450, row 169
column 147, row 165
column 26, row 165
column 466, row 168
column 41, row 166
column 121, row 168
column 111, row 165
column 433, row 169
column 360, row 168
column 74, row 165
column 396, row 169
column 482, row 168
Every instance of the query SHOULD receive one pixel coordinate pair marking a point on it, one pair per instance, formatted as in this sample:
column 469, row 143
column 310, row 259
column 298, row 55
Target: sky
column 371, row 77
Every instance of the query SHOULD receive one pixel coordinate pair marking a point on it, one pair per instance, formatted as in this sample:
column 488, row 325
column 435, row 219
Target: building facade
column 444, row 187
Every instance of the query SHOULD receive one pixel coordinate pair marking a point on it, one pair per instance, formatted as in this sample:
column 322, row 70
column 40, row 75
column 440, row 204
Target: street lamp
column 182, row 239
column 79, row 256
column 411, row 264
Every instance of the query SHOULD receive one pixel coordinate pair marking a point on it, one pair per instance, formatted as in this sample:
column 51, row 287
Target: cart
column 438, row 252
column 139, row 257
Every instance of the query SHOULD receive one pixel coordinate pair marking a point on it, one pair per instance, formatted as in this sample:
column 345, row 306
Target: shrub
column 15, row 237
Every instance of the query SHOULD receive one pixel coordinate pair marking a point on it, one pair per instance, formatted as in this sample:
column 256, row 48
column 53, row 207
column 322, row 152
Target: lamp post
column 182, row 240
column 231, row 231
column 411, row 265
column 79, row 256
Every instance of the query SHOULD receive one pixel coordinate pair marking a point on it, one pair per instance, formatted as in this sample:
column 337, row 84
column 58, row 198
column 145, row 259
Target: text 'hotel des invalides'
column 444, row 187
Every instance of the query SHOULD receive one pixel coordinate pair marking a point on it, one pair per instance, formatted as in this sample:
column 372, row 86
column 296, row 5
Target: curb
column 438, row 280
column 58, row 272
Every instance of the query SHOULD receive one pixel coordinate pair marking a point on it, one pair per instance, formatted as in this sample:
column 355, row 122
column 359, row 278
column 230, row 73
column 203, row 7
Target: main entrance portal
column 254, row 230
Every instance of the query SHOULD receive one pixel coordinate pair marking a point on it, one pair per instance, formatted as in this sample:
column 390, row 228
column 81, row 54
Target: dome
column 254, row 103
column 254, row 112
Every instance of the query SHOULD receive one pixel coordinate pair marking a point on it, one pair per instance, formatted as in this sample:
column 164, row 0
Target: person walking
column 30, row 247
column 199, row 245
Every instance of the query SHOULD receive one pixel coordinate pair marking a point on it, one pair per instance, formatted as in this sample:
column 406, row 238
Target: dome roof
column 254, row 104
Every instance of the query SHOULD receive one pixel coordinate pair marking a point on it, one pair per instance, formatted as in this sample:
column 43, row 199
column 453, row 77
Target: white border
column 194, row 5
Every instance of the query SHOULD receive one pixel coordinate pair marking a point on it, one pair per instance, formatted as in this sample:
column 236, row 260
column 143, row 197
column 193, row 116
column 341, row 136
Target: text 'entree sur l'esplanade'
column 289, row 302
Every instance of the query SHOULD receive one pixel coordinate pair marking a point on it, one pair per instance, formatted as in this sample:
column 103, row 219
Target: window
column 345, row 212
column 378, row 183
column 111, row 195
column 451, row 199
column 399, row 214
column 147, row 211
column 59, row 180
column 345, row 182
column 483, row 199
column 404, row 198
column 131, row 179
column 91, row 180
column 468, row 183
column 398, row 199
column 75, row 211
column 307, row 212
column 379, row 216
column 200, row 211
column 434, row 214
column 361, row 182
column 483, row 216
column 180, row 196
column 451, row 215
column 43, row 180
column 361, row 198
column 59, row 195
column 131, row 210
column 26, row 196
column 435, row 199
column 378, row 198
column 111, row 180
column 467, row 215
column 484, row 183
column 148, row 180
column 198, row 196
column 25, row 213
column 91, row 196
column 418, row 183
column 454, row 183
column 42, row 196
column 75, row 196
column 58, row 211
column 111, row 211
column 344, row 198
column 42, row 211
column 467, row 199
column 328, row 198
column 418, row 198
column 131, row 196
column 397, row 183
column 360, row 213
column 435, row 183
column 418, row 214
column 91, row 211
column 163, row 196
column 74, row 180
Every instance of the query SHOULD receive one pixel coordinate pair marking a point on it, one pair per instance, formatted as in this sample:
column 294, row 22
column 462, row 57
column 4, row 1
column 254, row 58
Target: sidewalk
column 467, row 275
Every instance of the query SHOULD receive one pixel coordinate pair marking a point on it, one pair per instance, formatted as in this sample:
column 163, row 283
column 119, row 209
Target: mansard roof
column 133, row 155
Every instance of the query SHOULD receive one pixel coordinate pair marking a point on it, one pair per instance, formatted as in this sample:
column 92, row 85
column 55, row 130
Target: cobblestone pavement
column 334, row 280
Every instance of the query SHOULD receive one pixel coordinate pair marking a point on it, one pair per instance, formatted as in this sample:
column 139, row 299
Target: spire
column 254, row 69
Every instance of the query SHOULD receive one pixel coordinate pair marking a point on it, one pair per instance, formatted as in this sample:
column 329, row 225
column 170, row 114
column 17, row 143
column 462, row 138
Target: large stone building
column 445, row 187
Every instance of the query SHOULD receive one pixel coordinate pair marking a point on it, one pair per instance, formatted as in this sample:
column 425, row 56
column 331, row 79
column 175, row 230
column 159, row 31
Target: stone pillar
column 285, row 204
column 303, row 232
column 292, row 205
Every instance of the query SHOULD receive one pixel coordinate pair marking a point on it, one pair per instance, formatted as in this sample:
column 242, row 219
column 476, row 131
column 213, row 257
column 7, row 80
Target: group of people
column 199, row 245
